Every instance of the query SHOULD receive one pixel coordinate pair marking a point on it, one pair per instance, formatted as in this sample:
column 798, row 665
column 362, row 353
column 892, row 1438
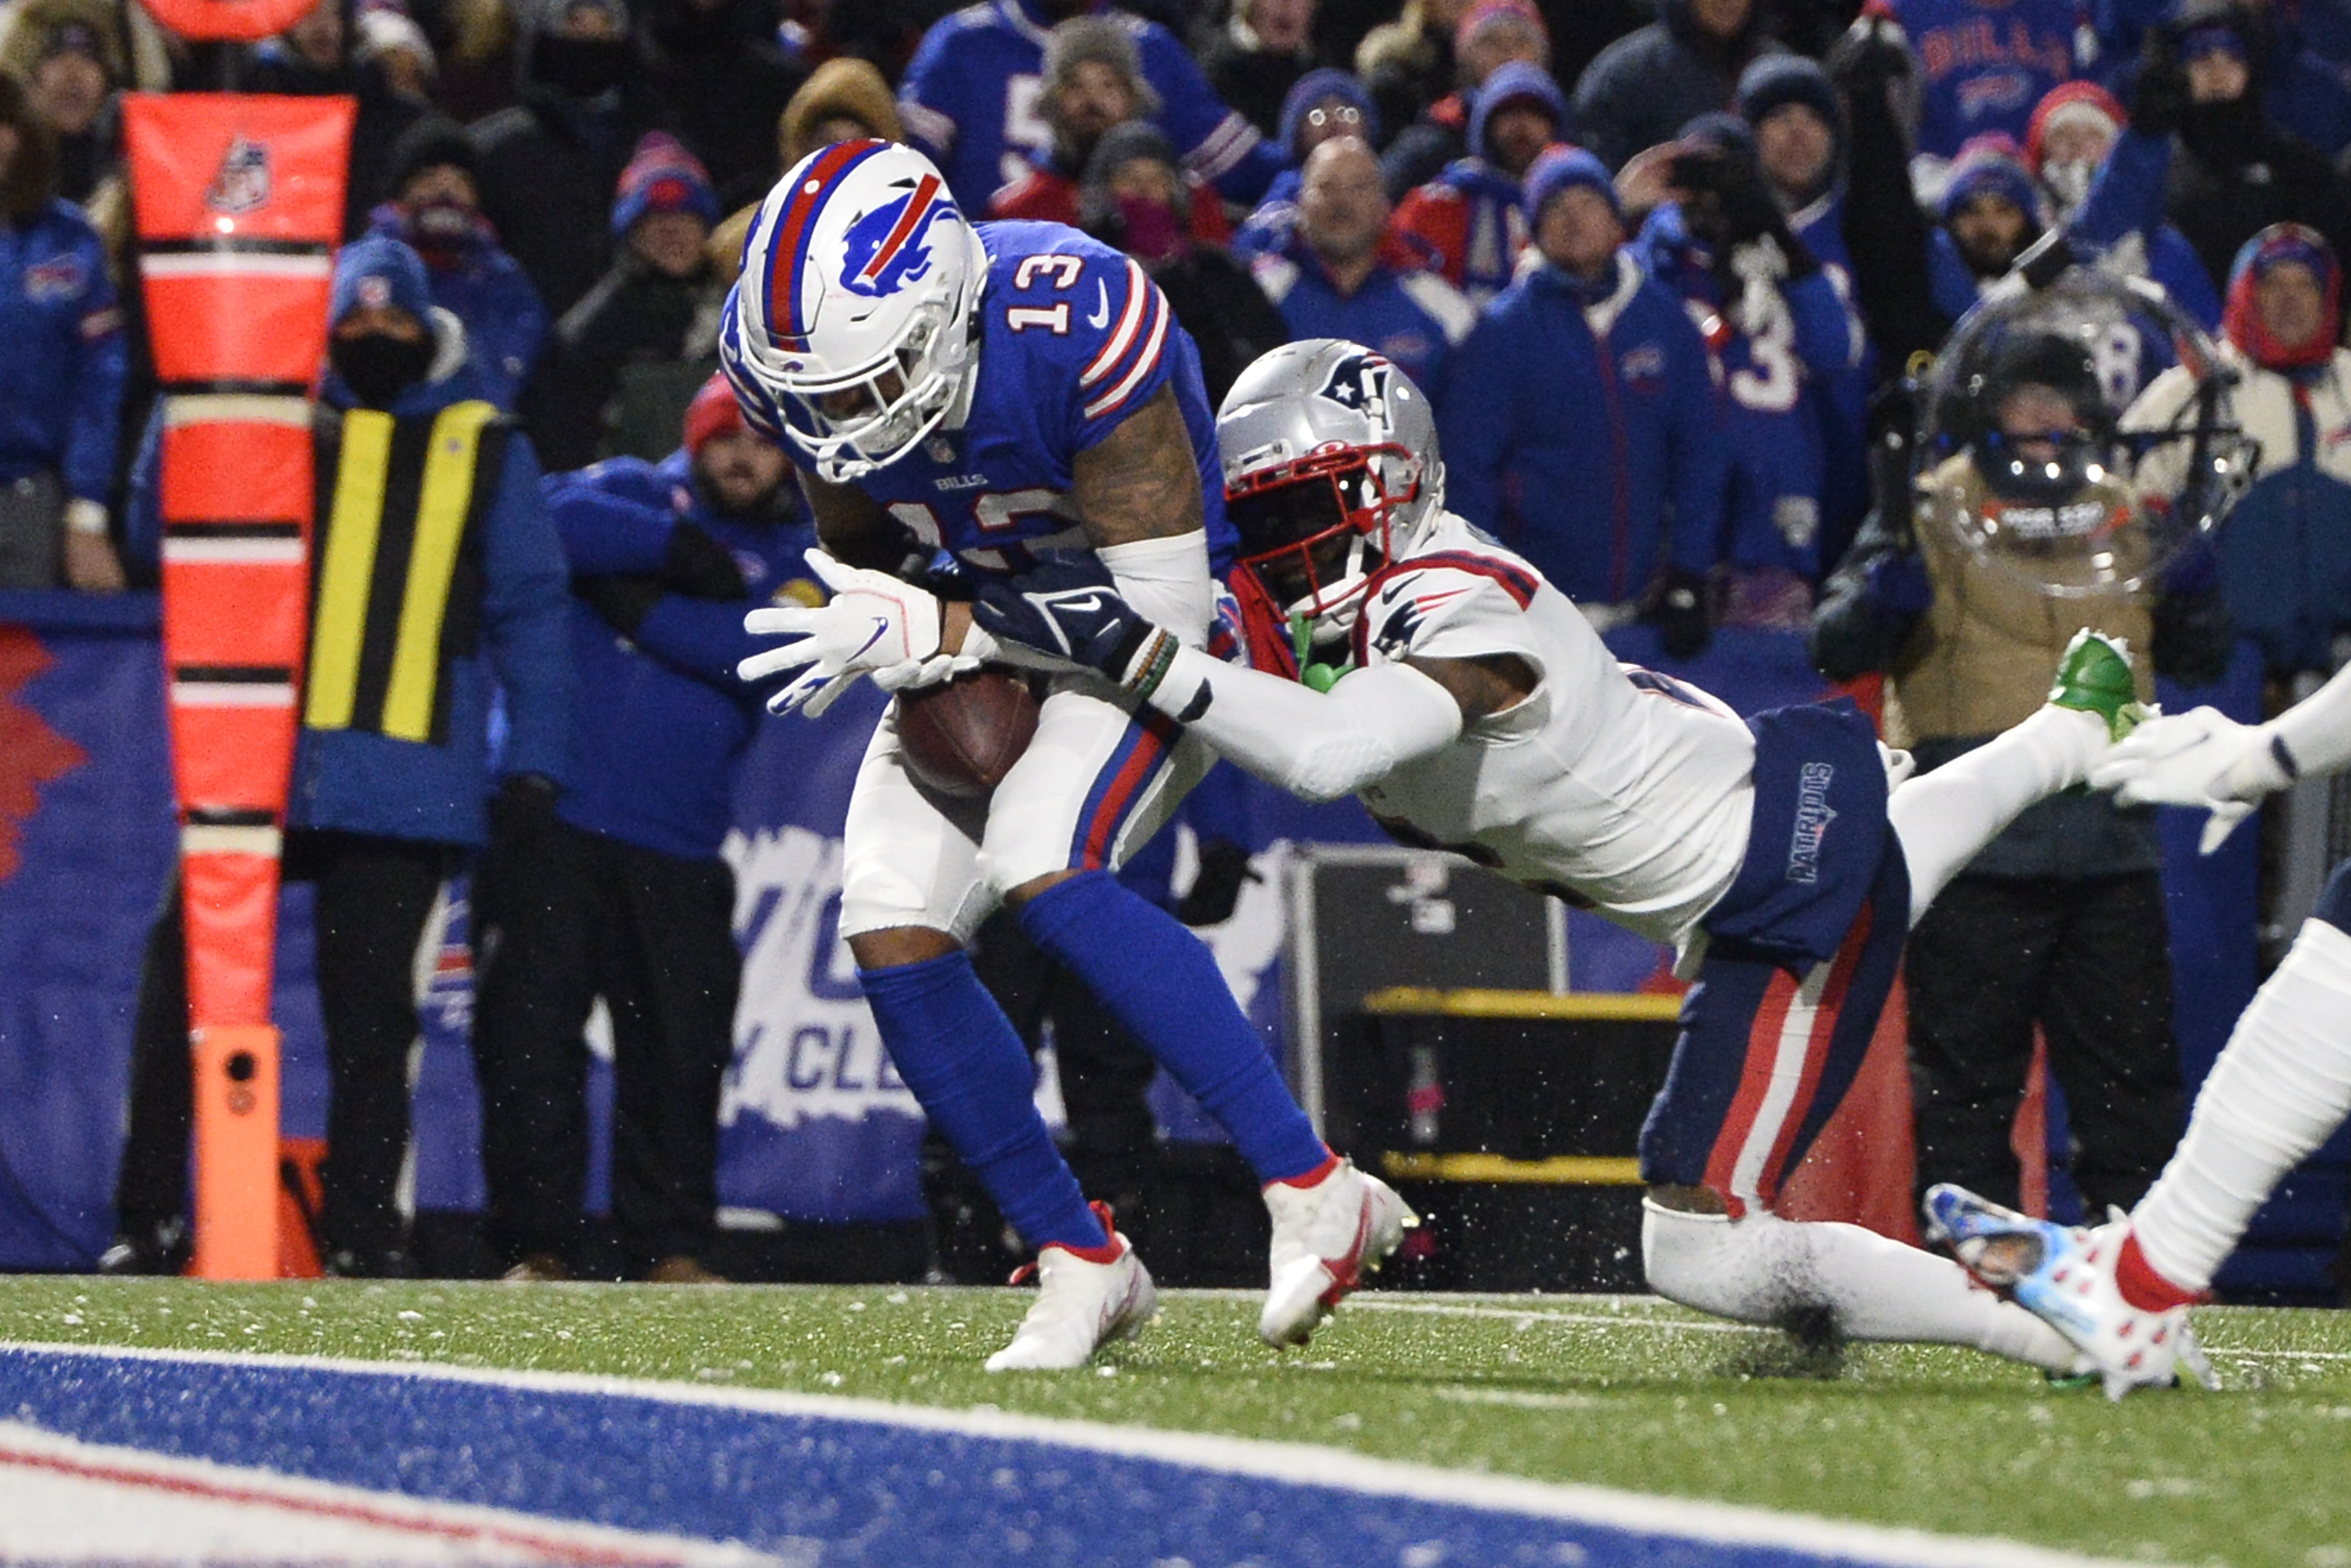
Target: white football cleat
column 1326, row 1237
column 1080, row 1307
column 2066, row 1279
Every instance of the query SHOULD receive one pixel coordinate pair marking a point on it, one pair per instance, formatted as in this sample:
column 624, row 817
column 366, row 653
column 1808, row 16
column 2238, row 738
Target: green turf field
column 1619, row 1392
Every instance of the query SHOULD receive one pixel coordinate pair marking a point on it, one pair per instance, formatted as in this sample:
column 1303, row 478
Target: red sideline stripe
column 552, row 1547
column 1816, row 1055
column 1150, row 749
column 1754, row 1082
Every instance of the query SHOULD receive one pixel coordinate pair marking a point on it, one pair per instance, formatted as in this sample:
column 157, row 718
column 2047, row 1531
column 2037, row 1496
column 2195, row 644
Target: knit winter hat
column 1560, row 169
column 1315, row 87
column 1515, row 82
column 377, row 272
column 1775, row 81
column 713, row 412
column 1486, row 13
column 386, row 29
column 663, row 177
column 1991, row 166
column 2065, row 104
column 430, row 143
column 2241, row 321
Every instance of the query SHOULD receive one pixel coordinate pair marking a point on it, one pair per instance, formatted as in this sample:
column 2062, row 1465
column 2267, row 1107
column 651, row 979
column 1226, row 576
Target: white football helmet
column 849, row 332
column 1331, row 470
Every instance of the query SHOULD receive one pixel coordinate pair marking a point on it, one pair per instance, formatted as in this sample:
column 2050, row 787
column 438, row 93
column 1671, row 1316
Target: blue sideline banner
column 815, row 1125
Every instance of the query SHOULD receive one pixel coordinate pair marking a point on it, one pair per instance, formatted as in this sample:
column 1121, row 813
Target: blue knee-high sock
column 958, row 1051
column 1162, row 984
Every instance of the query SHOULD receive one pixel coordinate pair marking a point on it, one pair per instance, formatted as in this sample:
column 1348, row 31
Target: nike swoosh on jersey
column 1101, row 305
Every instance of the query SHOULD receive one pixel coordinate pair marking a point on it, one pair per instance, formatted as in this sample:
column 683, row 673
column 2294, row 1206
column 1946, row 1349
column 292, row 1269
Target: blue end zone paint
column 851, row 1489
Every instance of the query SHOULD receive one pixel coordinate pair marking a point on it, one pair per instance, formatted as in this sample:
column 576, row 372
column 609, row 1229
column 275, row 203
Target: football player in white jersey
column 1472, row 707
column 2280, row 1087
column 978, row 390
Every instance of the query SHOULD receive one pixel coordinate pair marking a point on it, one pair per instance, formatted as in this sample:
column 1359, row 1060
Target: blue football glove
column 1068, row 608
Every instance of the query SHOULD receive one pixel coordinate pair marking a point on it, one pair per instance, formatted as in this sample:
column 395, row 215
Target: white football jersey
column 1611, row 787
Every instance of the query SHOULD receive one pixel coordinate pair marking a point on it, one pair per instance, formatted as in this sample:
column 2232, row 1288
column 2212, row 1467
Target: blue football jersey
column 1074, row 339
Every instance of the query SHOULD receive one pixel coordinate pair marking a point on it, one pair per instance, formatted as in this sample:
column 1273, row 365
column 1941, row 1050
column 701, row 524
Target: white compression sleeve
column 1167, row 582
column 1776, row 1272
column 2317, row 730
column 1943, row 818
column 2278, row 1091
column 1317, row 745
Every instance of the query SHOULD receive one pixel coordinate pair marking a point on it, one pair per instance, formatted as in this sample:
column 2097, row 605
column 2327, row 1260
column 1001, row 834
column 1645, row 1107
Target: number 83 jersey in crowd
column 1074, row 340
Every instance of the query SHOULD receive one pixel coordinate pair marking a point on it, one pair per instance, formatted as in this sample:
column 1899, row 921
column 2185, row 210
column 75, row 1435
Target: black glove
column 1733, row 206
column 698, row 565
column 522, row 812
column 623, row 600
column 1868, row 57
column 1224, row 867
column 2160, row 99
column 1679, row 608
column 1069, row 607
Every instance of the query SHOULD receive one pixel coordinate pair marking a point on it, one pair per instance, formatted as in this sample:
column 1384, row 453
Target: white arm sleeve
column 2317, row 730
column 1316, row 745
column 1168, row 580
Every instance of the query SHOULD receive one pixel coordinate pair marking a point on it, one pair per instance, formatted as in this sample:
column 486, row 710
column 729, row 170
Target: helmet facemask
column 1312, row 531
column 858, row 421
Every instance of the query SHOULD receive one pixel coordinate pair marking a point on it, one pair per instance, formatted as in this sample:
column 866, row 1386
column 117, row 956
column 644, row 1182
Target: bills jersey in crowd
column 1984, row 64
column 1073, row 340
column 972, row 101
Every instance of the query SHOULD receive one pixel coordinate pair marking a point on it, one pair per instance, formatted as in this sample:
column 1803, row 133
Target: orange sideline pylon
column 238, row 201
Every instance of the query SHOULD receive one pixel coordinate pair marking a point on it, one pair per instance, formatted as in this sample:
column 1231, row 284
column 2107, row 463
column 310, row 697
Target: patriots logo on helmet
column 889, row 247
column 1360, row 383
column 242, row 183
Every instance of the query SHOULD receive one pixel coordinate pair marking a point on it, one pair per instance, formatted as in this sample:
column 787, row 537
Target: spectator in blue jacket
column 1341, row 276
column 1323, row 106
column 1782, row 332
column 2069, row 147
column 1581, row 423
column 1992, row 215
column 624, row 895
column 435, row 207
column 61, row 370
column 969, row 95
column 384, row 802
column 1798, row 123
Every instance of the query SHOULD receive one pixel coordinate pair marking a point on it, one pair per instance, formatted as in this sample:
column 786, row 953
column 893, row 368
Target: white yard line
column 62, row 1499
column 1294, row 1464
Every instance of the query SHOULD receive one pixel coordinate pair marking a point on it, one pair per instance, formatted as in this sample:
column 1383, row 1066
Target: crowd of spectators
column 1656, row 265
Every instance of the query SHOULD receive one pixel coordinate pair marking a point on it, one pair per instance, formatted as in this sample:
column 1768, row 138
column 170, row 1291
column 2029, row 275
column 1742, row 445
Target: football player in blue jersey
column 993, row 393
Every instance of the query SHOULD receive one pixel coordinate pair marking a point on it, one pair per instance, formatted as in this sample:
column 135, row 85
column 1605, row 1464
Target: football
column 961, row 737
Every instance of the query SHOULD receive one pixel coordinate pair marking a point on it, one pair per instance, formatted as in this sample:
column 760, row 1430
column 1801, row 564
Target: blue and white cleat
column 2065, row 1277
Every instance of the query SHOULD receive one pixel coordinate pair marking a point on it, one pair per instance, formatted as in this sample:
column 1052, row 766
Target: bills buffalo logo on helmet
column 889, row 247
column 1361, row 383
column 242, row 183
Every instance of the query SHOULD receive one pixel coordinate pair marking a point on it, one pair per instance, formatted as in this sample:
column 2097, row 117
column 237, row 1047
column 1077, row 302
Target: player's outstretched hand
column 1067, row 607
column 2200, row 757
column 873, row 622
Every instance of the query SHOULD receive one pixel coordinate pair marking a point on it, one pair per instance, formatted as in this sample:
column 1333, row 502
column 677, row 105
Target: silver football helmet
column 1331, row 471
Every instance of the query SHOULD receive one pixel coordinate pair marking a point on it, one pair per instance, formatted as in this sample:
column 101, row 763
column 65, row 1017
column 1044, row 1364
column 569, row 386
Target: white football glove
column 873, row 622
column 2200, row 757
